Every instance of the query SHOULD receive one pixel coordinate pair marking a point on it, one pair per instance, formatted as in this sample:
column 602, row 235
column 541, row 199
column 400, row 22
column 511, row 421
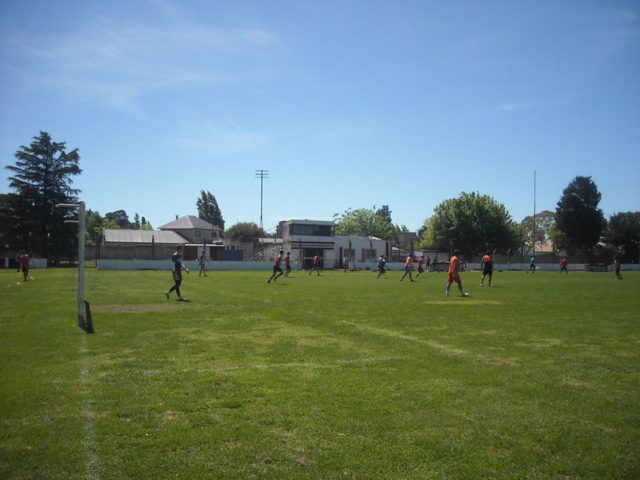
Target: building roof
column 142, row 236
column 189, row 222
column 310, row 222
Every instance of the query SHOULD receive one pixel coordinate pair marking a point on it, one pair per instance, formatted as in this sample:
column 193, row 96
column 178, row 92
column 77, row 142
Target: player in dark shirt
column 178, row 266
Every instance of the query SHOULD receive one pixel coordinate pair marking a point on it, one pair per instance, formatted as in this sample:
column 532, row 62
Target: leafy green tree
column 578, row 217
column 41, row 178
column 542, row 228
column 93, row 223
column 120, row 218
column 209, row 210
column 145, row 225
column 244, row 231
column 365, row 222
column 472, row 223
column 623, row 233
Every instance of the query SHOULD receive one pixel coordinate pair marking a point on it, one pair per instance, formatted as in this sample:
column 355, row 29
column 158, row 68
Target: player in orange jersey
column 487, row 268
column 408, row 266
column 316, row 265
column 454, row 274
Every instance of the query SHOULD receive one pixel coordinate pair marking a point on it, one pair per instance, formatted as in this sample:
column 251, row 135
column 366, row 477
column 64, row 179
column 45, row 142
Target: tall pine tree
column 578, row 219
column 42, row 177
column 209, row 210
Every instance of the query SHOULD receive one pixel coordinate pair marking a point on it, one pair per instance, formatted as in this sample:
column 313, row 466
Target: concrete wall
column 104, row 264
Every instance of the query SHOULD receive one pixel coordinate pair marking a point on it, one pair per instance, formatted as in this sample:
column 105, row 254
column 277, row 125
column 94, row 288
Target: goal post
column 85, row 321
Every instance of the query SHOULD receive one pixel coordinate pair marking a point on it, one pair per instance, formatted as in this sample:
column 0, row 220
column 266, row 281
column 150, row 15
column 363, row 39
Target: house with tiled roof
column 192, row 232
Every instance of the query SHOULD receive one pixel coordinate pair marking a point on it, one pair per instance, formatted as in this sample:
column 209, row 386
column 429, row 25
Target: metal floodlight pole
column 261, row 174
column 87, row 326
column 534, row 212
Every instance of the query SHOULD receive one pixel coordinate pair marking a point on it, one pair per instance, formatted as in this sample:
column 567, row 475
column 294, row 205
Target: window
column 312, row 230
column 196, row 233
column 369, row 254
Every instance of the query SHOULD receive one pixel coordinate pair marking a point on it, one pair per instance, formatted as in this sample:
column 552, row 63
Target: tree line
column 43, row 172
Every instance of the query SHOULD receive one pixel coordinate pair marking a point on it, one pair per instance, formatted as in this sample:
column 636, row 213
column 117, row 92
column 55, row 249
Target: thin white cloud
column 216, row 140
column 513, row 107
column 506, row 107
column 118, row 62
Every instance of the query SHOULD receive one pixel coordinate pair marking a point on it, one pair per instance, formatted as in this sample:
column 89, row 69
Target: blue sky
column 348, row 104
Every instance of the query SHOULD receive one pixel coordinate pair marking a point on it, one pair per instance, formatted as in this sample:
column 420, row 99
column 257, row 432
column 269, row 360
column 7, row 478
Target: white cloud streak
column 117, row 63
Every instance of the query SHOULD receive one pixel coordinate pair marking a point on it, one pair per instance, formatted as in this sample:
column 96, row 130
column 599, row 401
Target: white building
column 308, row 238
column 360, row 252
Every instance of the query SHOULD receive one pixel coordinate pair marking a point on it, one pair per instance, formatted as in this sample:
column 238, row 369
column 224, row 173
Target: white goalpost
column 85, row 322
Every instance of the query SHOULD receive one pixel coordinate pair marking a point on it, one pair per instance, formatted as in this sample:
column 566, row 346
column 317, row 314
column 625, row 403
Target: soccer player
column 24, row 264
column 428, row 262
column 487, row 268
column 381, row 264
column 203, row 261
column 532, row 264
column 563, row 265
column 287, row 264
column 454, row 274
column 420, row 266
column 316, row 265
column 617, row 262
column 277, row 269
column 408, row 266
column 178, row 267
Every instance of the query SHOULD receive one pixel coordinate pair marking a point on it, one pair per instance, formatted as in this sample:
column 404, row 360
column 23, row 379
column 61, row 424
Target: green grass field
column 334, row 377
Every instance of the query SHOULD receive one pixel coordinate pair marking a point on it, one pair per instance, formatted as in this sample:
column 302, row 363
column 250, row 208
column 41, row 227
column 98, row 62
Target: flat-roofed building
column 308, row 238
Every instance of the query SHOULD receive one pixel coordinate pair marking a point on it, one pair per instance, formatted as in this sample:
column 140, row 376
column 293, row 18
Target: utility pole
column 534, row 212
column 261, row 174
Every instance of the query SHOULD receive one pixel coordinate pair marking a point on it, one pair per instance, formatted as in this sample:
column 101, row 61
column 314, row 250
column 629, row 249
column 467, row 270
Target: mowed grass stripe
column 338, row 376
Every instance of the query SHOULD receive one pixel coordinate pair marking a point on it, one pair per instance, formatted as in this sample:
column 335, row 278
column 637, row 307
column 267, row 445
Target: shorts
column 420, row 270
column 277, row 269
column 488, row 270
column 177, row 278
column 288, row 268
column 454, row 277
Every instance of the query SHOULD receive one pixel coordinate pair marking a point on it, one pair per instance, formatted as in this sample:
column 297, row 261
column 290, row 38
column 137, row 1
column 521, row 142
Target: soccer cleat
column 481, row 285
column 464, row 294
column 166, row 294
column 446, row 292
column 182, row 299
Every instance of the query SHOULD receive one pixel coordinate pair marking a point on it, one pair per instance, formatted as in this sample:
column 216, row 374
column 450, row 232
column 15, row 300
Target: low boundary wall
column 104, row 264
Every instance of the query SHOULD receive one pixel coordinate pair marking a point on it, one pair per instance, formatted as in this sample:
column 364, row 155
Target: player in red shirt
column 287, row 264
column 454, row 274
column 316, row 265
column 487, row 268
column 277, row 269
column 24, row 264
column 420, row 266
column 563, row 265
